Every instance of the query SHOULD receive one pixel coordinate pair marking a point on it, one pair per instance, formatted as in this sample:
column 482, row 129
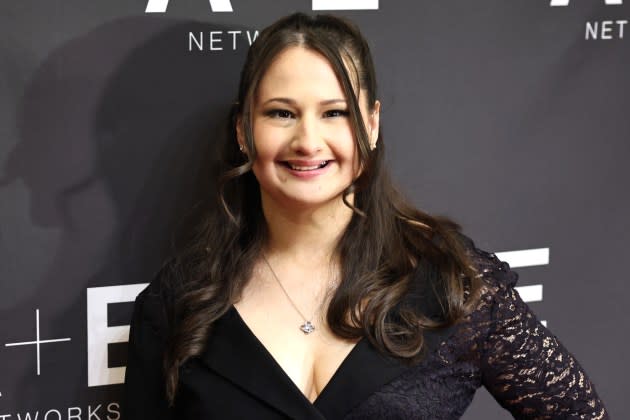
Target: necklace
column 308, row 326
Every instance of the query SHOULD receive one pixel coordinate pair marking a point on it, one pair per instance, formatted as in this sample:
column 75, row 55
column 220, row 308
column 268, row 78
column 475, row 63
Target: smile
column 305, row 166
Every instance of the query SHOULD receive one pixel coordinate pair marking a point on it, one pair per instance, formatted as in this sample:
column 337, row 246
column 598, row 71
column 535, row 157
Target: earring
column 372, row 144
column 240, row 147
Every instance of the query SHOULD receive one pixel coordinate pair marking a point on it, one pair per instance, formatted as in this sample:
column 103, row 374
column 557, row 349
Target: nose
column 307, row 139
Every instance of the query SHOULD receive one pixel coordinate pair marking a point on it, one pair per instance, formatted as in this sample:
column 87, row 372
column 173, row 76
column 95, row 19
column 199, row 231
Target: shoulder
column 498, row 309
column 496, row 276
column 154, row 306
column 493, row 278
column 491, row 297
column 492, row 301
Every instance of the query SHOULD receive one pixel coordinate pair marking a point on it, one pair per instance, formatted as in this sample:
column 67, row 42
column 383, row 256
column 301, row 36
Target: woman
column 315, row 290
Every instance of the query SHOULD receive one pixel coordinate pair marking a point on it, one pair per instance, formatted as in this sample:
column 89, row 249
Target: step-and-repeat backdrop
column 511, row 116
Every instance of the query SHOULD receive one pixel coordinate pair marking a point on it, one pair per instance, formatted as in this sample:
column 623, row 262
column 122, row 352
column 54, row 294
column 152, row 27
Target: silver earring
column 240, row 147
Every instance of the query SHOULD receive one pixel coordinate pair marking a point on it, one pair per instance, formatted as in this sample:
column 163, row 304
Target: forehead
column 298, row 71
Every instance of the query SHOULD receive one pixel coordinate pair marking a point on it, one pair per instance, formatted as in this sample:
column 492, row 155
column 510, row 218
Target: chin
column 312, row 201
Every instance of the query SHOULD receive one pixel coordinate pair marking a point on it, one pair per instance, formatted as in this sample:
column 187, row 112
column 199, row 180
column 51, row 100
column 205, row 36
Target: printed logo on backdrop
column 109, row 411
column 600, row 30
column 160, row 6
column 214, row 41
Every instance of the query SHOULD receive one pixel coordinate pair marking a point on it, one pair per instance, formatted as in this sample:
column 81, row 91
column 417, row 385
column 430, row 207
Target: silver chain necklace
column 308, row 326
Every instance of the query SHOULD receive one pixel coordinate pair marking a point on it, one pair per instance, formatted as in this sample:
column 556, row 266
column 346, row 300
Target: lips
column 305, row 165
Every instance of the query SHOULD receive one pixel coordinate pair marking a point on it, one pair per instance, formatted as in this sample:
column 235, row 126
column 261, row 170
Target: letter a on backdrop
column 159, row 6
column 345, row 4
column 566, row 2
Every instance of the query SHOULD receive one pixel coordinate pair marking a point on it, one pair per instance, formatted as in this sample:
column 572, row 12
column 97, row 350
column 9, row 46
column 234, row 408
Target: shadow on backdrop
column 118, row 135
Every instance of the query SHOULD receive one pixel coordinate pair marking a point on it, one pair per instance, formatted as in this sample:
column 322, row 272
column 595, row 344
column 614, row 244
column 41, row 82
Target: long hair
column 387, row 245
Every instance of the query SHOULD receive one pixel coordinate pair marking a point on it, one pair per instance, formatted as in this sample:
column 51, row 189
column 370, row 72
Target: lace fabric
column 500, row 345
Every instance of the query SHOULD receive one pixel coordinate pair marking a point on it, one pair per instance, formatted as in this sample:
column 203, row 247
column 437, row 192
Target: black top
column 500, row 345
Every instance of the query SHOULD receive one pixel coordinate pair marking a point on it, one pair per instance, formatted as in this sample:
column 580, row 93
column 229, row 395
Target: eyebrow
column 292, row 102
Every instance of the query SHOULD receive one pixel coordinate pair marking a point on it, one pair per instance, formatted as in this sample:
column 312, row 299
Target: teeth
column 307, row 168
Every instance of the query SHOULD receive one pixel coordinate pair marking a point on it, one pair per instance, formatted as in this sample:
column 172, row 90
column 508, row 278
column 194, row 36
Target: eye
column 280, row 113
column 336, row 113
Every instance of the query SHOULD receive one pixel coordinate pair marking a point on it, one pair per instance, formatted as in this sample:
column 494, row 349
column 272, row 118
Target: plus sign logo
column 160, row 6
column 566, row 2
column 37, row 342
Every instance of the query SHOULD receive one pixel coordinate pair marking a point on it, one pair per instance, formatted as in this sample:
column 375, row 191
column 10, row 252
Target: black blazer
column 237, row 378
column 500, row 345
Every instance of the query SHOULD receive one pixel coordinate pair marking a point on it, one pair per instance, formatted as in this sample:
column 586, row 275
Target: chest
column 308, row 360
column 274, row 311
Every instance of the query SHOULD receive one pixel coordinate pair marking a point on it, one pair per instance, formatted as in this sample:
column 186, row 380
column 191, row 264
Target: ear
column 373, row 124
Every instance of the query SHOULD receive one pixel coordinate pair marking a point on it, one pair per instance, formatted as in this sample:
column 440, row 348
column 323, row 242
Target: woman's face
column 306, row 152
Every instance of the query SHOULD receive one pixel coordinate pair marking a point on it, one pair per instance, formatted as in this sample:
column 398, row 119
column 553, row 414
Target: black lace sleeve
column 523, row 365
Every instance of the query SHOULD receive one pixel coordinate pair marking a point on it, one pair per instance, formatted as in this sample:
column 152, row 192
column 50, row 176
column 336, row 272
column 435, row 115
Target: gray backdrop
column 509, row 116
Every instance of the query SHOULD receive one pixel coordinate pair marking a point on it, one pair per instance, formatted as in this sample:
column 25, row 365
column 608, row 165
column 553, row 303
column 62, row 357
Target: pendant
column 307, row 327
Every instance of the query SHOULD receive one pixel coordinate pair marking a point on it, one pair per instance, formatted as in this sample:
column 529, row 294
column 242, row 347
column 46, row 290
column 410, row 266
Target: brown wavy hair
column 387, row 245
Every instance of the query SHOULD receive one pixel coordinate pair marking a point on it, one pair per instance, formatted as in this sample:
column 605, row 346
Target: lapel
column 362, row 373
column 235, row 353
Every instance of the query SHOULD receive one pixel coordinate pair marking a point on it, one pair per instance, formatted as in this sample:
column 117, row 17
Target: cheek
column 341, row 140
column 268, row 142
column 351, row 152
column 346, row 152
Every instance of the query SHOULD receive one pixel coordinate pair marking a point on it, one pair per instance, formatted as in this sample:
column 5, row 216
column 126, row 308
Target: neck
column 306, row 235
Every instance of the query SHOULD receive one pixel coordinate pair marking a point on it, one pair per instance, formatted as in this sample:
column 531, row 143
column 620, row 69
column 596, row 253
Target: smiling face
column 306, row 150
